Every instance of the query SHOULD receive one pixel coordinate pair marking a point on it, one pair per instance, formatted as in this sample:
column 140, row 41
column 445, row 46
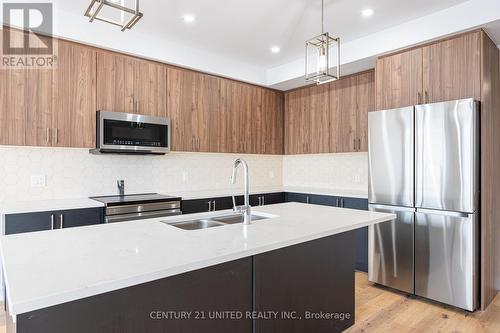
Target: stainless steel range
column 120, row 208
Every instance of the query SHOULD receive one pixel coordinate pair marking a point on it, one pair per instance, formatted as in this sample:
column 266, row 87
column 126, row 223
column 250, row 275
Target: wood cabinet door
column 74, row 88
column 399, row 80
column 39, row 106
column 12, row 100
column 235, row 110
column 272, row 123
column 115, row 82
column 365, row 99
column 343, row 115
column 150, row 88
column 452, row 69
column 316, row 124
column 13, row 106
column 292, row 128
column 193, row 108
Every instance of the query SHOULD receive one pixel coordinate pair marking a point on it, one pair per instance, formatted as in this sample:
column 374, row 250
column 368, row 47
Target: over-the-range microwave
column 128, row 133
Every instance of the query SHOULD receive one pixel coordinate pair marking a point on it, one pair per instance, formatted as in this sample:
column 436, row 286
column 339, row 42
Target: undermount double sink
column 213, row 221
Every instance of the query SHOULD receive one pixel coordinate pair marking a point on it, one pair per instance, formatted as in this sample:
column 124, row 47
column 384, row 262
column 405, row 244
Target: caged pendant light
column 114, row 12
column 319, row 51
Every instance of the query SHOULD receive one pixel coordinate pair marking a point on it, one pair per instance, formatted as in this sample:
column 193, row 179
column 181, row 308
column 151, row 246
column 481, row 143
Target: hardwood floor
column 382, row 310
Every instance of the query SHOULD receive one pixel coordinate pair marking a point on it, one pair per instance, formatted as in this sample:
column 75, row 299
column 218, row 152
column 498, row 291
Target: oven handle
column 143, row 215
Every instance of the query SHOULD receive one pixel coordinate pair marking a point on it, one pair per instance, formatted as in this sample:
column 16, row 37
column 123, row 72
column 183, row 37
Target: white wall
column 72, row 173
column 329, row 171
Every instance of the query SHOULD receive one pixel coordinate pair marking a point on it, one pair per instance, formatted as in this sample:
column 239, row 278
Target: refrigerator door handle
column 393, row 208
column 444, row 213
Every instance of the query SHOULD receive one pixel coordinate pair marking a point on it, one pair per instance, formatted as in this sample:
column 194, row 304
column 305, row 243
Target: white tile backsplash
column 330, row 171
column 72, row 173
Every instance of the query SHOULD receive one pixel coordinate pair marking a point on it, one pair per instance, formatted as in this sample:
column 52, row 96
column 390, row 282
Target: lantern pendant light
column 320, row 51
column 114, row 12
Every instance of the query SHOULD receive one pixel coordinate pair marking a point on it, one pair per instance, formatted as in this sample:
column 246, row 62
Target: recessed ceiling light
column 188, row 18
column 275, row 49
column 367, row 12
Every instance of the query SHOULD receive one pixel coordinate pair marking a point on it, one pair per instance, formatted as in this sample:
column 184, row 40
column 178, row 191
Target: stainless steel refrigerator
column 424, row 167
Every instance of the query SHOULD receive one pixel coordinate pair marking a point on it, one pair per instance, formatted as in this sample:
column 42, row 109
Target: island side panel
column 316, row 276
column 224, row 287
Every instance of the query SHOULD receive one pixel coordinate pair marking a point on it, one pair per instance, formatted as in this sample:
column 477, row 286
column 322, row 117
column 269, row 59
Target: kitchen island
column 291, row 272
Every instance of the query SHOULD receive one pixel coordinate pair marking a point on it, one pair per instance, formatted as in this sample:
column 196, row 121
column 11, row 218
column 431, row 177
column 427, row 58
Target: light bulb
column 322, row 61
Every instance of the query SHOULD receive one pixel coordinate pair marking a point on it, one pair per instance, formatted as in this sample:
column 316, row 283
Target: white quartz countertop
column 19, row 207
column 52, row 267
column 351, row 193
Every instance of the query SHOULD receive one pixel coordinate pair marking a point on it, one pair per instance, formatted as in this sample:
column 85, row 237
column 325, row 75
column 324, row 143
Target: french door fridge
column 424, row 167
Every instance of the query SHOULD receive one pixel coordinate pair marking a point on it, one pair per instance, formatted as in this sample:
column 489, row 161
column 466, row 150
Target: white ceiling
column 245, row 30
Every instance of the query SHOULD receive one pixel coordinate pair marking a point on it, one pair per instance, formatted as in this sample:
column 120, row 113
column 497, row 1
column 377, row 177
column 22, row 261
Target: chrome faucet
column 121, row 187
column 245, row 209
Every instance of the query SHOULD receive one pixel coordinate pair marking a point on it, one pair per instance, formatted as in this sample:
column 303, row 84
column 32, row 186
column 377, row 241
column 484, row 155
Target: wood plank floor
column 380, row 310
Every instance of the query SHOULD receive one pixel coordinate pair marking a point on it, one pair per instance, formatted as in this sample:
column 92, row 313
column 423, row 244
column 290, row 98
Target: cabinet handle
column 337, row 203
column 52, row 221
column 47, row 135
column 192, row 143
column 56, row 135
column 359, row 144
column 61, row 218
column 198, row 141
column 308, row 200
column 426, row 97
column 260, row 201
column 210, row 206
column 419, row 98
column 263, row 200
column 214, row 208
column 354, row 144
column 342, row 203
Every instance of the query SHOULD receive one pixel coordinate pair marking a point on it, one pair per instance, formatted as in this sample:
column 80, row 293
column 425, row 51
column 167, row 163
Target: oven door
column 132, row 133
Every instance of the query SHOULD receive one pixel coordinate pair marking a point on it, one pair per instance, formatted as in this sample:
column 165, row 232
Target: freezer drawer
column 390, row 249
column 446, row 257
column 391, row 157
column 446, row 156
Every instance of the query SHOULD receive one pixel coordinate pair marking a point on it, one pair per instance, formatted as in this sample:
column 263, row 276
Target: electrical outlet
column 356, row 178
column 38, row 181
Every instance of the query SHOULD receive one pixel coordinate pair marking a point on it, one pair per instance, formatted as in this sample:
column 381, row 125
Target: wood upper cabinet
column 271, row 136
column 441, row 71
column 292, row 129
column 193, row 109
column 126, row 84
column 399, row 80
column 236, row 116
column 452, row 69
column 365, row 87
column 307, row 123
column 343, row 115
column 74, row 89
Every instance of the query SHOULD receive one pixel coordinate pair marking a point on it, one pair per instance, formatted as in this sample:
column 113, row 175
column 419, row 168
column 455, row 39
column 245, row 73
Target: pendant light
column 319, row 52
column 114, row 12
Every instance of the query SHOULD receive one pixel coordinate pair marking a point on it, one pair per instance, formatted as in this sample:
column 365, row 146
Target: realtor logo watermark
column 31, row 48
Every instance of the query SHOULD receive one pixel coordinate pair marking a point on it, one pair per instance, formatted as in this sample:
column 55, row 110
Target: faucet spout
column 245, row 209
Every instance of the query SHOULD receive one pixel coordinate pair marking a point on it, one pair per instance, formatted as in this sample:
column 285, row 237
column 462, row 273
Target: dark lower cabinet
column 156, row 306
column 307, row 282
column 206, row 205
column 40, row 221
column 343, row 202
column 223, row 203
column 307, row 287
